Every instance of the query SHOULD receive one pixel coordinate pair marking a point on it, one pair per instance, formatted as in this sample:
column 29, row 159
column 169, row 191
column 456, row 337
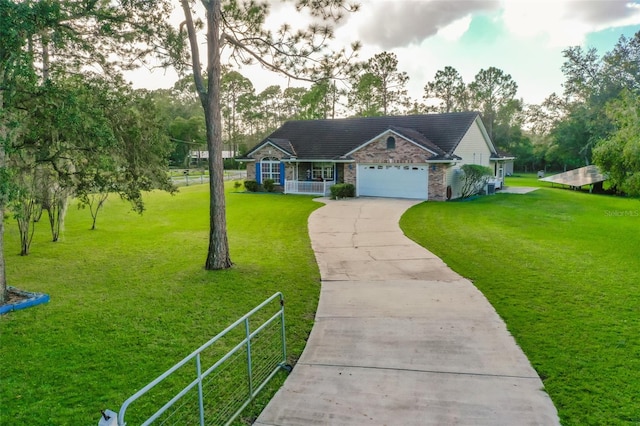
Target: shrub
column 342, row 190
column 269, row 185
column 237, row 184
column 251, row 185
column 474, row 177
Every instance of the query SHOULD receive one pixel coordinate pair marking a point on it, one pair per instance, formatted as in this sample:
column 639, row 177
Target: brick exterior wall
column 268, row 151
column 404, row 152
column 349, row 173
column 438, row 182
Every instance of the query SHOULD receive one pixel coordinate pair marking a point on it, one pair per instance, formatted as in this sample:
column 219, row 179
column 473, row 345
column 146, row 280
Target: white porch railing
column 308, row 187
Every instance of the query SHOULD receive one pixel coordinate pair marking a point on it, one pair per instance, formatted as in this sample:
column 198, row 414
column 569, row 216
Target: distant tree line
column 592, row 122
column 372, row 88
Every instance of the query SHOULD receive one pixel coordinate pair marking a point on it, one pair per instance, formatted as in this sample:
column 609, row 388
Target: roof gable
column 283, row 145
column 415, row 139
column 419, row 138
column 333, row 139
column 486, row 136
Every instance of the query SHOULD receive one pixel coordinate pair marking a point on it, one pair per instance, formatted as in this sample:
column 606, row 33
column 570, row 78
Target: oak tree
column 43, row 38
column 618, row 155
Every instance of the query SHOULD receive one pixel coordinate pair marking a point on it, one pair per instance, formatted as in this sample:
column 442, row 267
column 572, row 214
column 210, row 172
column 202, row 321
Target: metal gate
column 191, row 392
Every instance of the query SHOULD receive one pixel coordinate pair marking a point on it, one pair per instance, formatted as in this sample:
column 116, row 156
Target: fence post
column 250, row 373
column 284, row 343
column 200, row 392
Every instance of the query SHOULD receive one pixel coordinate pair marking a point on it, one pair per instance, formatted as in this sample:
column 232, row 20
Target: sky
column 523, row 38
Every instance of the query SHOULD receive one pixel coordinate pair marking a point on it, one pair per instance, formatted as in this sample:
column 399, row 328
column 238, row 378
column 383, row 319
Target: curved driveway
column 399, row 338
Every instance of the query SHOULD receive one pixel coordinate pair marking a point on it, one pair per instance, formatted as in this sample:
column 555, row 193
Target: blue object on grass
column 32, row 299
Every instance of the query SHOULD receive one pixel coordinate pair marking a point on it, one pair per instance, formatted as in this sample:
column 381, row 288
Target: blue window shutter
column 258, row 173
column 335, row 173
column 282, row 174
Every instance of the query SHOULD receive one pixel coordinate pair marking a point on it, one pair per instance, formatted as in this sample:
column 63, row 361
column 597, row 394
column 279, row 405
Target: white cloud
column 427, row 35
column 566, row 22
column 393, row 24
column 456, row 29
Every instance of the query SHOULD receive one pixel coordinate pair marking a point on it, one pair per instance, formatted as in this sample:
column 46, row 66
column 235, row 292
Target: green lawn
column 525, row 179
column 131, row 299
column 562, row 269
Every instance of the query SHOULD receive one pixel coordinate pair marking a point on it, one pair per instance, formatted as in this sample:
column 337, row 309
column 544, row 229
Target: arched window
column 391, row 142
column 270, row 169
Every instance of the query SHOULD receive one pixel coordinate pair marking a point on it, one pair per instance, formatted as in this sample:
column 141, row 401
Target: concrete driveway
column 399, row 338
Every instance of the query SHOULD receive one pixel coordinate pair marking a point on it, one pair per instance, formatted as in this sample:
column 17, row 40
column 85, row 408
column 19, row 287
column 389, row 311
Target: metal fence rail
column 216, row 394
column 187, row 179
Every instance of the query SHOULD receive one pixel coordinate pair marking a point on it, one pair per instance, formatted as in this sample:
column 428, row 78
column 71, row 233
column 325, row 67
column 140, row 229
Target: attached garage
column 393, row 180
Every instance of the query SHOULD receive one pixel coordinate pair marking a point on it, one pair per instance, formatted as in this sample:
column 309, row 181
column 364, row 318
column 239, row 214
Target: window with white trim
column 322, row 171
column 270, row 169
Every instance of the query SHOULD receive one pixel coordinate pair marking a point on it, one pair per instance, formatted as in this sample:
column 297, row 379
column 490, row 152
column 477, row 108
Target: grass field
column 131, row 298
column 526, row 179
column 562, row 269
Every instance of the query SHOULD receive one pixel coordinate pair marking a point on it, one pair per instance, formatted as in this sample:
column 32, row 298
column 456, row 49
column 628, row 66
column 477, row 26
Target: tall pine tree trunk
column 218, row 253
column 3, row 136
column 3, row 280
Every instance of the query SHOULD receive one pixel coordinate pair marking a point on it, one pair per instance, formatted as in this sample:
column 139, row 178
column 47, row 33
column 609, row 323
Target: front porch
column 310, row 177
column 322, row 188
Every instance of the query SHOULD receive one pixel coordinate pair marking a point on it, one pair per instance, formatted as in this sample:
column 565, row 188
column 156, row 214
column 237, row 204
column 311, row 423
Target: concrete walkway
column 399, row 338
column 518, row 189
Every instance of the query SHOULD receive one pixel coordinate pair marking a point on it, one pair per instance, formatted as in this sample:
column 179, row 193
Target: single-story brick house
column 414, row 156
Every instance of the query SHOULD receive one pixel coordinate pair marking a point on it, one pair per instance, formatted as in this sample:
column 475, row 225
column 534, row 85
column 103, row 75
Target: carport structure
column 577, row 178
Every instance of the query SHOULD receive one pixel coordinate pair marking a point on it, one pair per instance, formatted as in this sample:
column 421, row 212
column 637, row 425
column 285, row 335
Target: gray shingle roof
column 418, row 137
column 284, row 144
column 331, row 139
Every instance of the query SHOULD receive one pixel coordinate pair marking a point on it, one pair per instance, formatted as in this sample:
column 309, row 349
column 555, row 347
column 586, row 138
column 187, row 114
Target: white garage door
column 393, row 180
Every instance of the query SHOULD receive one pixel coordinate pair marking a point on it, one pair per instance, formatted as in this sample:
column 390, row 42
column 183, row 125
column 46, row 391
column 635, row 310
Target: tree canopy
column 448, row 87
column 43, row 44
column 619, row 153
